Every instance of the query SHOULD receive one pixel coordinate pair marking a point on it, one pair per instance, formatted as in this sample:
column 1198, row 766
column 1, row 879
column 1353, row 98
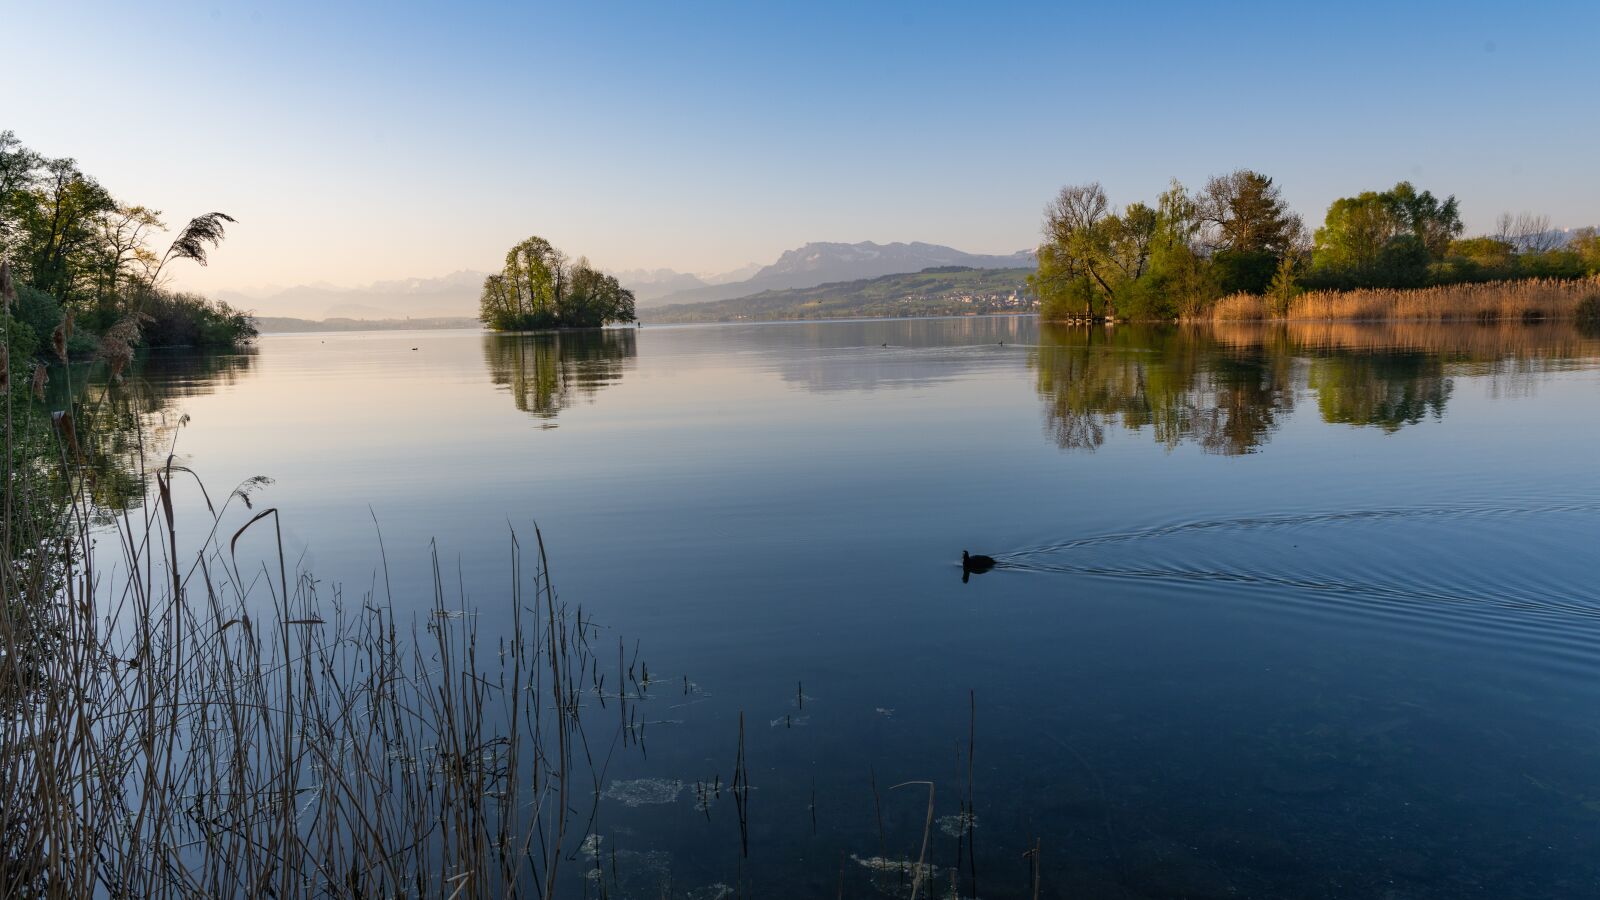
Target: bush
column 38, row 311
column 189, row 320
column 1245, row 271
column 1587, row 314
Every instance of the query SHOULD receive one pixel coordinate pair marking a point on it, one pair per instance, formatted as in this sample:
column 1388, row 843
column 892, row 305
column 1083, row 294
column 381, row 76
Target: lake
column 1302, row 611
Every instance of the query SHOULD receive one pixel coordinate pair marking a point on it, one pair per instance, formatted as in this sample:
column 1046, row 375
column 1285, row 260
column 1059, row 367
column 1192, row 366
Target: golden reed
column 1547, row 298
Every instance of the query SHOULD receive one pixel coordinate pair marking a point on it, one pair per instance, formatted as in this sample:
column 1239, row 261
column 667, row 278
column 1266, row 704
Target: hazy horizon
column 366, row 144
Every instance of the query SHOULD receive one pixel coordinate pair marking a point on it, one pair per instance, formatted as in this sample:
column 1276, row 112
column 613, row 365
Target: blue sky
column 357, row 141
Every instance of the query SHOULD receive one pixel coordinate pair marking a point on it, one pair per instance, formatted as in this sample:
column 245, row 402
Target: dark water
column 1278, row 612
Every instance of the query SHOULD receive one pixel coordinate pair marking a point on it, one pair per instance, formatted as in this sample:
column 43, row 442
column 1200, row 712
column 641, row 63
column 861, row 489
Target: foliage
column 1284, row 287
column 1245, row 214
column 1587, row 313
column 190, row 320
column 1386, row 239
column 80, row 250
column 538, row 288
column 1161, row 262
column 1237, row 251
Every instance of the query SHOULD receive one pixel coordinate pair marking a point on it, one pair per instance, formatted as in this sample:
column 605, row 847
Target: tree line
column 73, row 250
column 1177, row 257
column 540, row 288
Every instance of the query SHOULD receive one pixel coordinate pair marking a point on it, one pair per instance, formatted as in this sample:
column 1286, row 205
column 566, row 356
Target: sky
column 358, row 142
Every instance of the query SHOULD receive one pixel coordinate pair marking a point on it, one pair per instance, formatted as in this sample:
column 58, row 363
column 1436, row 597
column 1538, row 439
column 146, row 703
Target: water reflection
column 1227, row 388
column 1181, row 382
column 127, row 429
column 547, row 372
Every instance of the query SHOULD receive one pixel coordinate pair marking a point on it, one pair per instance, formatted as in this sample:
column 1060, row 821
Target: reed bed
column 182, row 715
column 1526, row 299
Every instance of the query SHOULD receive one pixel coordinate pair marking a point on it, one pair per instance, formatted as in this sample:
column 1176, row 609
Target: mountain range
column 824, row 263
column 456, row 294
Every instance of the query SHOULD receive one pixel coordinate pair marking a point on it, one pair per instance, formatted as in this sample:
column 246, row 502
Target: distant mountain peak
column 822, row 262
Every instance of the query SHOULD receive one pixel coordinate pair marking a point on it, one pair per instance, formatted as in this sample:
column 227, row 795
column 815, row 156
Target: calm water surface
column 1279, row 612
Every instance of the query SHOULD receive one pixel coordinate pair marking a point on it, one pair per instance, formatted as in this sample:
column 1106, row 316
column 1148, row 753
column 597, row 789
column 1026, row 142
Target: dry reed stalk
column 1525, row 299
column 178, row 725
column 1240, row 307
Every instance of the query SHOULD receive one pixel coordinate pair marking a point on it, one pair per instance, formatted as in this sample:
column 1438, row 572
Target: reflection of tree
column 1179, row 381
column 1389, row 390
column 124, row 429
column 547, row 372
column 1227, row 387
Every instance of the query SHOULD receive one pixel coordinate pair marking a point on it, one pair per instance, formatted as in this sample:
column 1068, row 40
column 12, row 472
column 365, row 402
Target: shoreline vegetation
column 81, row 263
column 1532, row 299
column 1235, row 249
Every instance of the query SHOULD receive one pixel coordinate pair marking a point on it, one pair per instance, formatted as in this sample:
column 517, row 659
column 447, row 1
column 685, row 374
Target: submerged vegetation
column 1193, row 252
column 539, row 288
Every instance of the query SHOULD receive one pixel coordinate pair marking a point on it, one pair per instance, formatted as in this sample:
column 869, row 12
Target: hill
column 286, row 325
column 937, row 291
column 455, row 294
column 826, row 263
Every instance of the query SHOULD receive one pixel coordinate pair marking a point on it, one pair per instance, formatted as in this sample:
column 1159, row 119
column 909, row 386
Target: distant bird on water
column 974, row 565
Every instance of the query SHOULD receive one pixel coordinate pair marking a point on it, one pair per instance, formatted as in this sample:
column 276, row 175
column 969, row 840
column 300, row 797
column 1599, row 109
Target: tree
column 1385, row 239
column 1527, row 232
column 1586, row 243
column 1284, row 288
column 1434, row 223
column 59, row 227
column 122, row 248
column 595, row 298
column 1246, row 227
column 18, row 176
column 1072, row 267
column 540, row 288
column 1244, row 212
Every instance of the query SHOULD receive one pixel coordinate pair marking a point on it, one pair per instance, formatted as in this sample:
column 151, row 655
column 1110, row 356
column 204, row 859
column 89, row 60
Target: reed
column 1240, row 307
column 1529, row 299
column 180, row 718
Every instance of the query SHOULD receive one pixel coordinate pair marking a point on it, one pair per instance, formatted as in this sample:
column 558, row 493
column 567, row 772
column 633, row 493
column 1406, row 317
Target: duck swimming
column 974, row 565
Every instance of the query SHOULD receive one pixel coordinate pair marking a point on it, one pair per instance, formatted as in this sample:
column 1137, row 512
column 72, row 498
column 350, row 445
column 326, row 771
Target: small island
column 539, row 289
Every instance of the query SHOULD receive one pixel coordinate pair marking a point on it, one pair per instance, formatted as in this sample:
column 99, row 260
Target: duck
column 977, row 564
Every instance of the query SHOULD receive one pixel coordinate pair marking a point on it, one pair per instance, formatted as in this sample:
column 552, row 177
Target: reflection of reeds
column 1455, row 340
column 1526, row 299
column 184, row 723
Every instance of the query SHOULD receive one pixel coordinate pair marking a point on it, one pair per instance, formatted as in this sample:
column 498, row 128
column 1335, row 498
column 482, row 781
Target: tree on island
column 539, row 288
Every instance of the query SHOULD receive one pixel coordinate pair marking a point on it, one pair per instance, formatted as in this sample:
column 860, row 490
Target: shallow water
column 1306, row 611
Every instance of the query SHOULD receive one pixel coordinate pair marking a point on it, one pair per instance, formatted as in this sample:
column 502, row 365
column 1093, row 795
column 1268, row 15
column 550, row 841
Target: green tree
column 1284, row 287
column 1585, row 242
column 58, row 230
column 1384, row 239
column 540, row 288
column 1244, row 212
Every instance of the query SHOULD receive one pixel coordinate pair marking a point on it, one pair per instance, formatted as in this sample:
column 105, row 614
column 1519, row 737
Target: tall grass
column 183, row 715
column 1533, row 298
